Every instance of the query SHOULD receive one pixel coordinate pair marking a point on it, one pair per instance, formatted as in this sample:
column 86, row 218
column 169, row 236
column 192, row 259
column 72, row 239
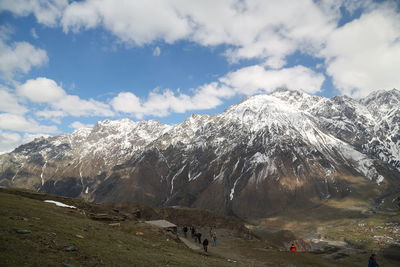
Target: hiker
column 292, row 248
column 199, row 237
column 214, row 238
column 193, row 231
column 185, row 230
column 205, row 244
column 372, row 261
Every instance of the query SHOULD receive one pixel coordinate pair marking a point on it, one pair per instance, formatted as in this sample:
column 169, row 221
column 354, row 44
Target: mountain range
column 271, row 152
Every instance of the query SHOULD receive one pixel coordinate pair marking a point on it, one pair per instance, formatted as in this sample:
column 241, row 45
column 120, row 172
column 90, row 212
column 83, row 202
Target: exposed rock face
column 267, row 153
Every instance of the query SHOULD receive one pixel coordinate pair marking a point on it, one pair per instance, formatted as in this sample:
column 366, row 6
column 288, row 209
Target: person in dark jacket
column 205, row 244
column 185, row 230
column 199, row 237
column 193, row 231
column 372, row 261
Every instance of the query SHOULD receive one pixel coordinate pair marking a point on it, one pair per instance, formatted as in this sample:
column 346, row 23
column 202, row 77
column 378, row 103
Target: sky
column 65, row 64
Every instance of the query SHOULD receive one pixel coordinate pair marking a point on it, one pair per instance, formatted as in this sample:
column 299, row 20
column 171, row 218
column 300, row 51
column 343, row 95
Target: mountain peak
column 286, row 141
column 382, row 94
column 383, row 101
column 281, row 99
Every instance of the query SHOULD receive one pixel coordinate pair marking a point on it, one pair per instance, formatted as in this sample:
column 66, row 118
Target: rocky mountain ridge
column 267, row 153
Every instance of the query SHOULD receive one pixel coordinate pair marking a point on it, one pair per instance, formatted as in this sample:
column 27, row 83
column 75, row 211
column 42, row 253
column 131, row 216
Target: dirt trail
column 253, row 252
column 189, row 244
column 225, row 246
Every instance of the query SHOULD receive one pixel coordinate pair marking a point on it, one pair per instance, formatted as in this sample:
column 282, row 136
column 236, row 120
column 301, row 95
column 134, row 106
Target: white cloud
column 360, row 56
column 265, row 29
column 364, row 55
column 157, row 51
column 126, row 102
column 245, row 81
column 46, row 11
column 52, row 115
column 41, row 90
column 211, row 95
column 17, row 122
column 44, row 90
column 19, row 57
column 11, row 140
column 138, row 21
column 253, row 79
column 78, row 125
column 9, row 102
column 157, row 104
column 161, row 104
column 75, row 106
column 8, row 141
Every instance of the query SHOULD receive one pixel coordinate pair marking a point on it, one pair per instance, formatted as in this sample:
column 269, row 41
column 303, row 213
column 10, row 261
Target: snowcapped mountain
column 267, row 153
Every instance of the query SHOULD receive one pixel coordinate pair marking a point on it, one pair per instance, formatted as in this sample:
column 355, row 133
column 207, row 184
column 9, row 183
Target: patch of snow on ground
column 60, row 204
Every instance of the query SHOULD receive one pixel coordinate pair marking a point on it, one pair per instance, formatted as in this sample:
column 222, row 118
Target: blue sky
column 66, row 65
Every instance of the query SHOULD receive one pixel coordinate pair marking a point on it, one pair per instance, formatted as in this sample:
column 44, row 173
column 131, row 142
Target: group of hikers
column 197, row 236
column 213, row 235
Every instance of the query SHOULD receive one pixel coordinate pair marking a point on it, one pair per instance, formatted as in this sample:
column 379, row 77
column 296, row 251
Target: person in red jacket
column 292, row 248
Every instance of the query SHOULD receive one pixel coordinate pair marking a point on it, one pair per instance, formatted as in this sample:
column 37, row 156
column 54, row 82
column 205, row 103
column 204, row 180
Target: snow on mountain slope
column 385, row 140
column 265, row 149
column 84, row 154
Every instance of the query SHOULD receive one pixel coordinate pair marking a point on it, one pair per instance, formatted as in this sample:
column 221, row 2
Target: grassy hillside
column 65, row 236
column 365, row 227
column 84, row 237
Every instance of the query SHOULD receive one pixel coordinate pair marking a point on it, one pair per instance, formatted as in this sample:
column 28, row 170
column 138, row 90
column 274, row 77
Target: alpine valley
column 272, row 152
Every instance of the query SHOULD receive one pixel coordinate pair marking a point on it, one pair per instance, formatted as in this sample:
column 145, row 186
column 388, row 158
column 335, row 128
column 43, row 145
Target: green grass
column 350, row 220
column 54, row 228
column 361, row 233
